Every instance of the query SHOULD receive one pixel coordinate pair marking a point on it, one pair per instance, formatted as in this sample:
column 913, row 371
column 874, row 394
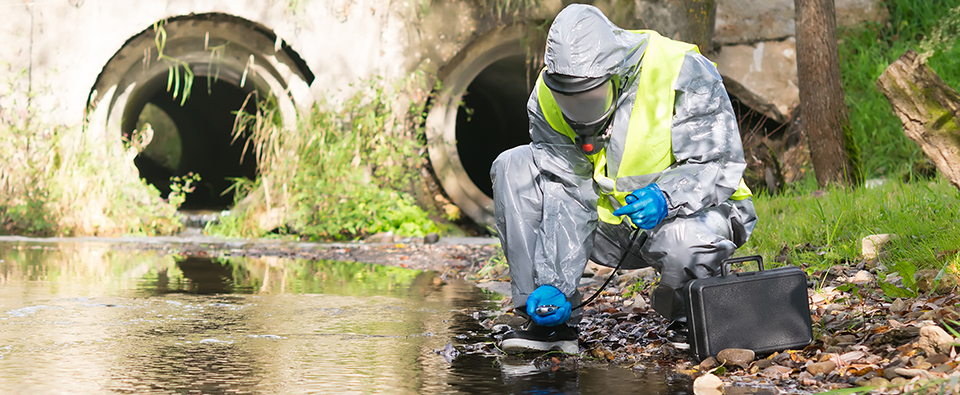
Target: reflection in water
column 205, row 276
column 90, row 318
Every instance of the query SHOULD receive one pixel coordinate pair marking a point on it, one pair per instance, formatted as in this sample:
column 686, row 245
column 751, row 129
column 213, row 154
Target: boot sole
column 516, row 346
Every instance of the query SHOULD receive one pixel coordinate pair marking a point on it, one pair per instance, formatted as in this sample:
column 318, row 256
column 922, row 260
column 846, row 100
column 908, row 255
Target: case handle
column 725, row 266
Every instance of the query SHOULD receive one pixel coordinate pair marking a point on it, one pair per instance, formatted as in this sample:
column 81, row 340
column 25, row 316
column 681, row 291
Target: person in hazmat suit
column 623, row 124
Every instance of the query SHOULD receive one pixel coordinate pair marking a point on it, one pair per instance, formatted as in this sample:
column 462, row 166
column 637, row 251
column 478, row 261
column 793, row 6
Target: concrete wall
column 62, row 55
column 58, row 48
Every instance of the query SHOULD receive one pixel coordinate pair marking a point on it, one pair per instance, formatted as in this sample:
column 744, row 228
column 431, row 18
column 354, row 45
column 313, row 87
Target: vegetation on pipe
column 344, row 174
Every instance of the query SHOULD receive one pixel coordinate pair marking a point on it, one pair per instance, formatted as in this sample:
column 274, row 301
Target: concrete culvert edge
column 479, row 111
column 230, row 59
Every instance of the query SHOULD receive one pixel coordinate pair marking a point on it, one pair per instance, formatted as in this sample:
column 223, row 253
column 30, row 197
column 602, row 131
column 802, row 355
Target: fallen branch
column 928, row 108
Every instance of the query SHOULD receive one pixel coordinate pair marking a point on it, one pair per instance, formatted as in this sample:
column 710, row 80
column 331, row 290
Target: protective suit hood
column 582, row 42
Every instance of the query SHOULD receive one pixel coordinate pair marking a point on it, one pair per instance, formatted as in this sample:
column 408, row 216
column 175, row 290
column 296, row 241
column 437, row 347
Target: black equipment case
column 764, row 311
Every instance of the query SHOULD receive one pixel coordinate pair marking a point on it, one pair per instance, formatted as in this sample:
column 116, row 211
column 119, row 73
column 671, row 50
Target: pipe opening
column 479, row 111
column 230, row 58
column 196, row 137
column 493, row 118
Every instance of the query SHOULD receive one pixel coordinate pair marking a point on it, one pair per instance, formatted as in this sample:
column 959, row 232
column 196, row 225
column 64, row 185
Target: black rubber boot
column 538, row 338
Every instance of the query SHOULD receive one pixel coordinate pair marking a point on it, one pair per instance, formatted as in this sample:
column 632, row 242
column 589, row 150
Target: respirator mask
column 587, row 105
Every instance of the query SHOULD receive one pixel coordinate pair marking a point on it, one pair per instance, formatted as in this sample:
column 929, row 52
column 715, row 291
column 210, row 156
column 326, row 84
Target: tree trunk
column 701, row 20
column 822, row 110
column 928, row 108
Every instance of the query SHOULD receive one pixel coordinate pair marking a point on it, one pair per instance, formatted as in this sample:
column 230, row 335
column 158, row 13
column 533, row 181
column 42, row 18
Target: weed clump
column 57, row 181
column 344, row 174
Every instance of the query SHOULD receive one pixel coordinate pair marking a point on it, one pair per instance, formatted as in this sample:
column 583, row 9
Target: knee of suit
column 512, row 160
column 694, row 262
column 690, row 247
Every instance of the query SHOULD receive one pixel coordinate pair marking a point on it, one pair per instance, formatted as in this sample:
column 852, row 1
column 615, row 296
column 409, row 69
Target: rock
column 831, row 308
column 431, row 238
column 763, row 363
column 911, row 373
column 736, row 357
column 384, row 237
column 897, row 335
column 709, row 363
column 879, row 267
column 833, row 349
column 587, row 281
column 898, row 305
column 872, row 382
column 894, row 279
column 819, row 368
column 934, row 339
column 637, row 275
column 862, row 277
column 871, row 247
column 511, row 320
column 843, row 340
column 843, row 316
column 898, row 381
column 599, row 270
column 706, row 382
column 776, row 372
column 741, row 21
column 942, row 368
column 890, row 373
column 937, row 359
column 927, row 282
column 762, row 75
column 807, row 379
column 639, row 302
column 923, row 365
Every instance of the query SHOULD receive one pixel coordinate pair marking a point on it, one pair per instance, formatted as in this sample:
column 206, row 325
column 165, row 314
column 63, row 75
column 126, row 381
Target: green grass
column 865, row 52
column 816, row 231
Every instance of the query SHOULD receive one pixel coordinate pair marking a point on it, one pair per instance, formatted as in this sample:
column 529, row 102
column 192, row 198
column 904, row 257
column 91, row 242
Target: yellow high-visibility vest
column 649, row 127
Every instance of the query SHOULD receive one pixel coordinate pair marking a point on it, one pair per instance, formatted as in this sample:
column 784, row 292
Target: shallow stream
column 92, row 318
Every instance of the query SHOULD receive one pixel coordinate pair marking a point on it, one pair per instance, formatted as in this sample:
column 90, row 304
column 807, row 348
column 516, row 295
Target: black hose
column 623, row 257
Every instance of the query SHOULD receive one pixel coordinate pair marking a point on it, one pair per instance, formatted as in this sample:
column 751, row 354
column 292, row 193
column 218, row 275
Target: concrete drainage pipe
column 479, row 112
column 230, row 58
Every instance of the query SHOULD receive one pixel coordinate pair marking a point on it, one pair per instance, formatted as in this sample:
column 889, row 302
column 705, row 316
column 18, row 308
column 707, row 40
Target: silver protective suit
column 546, row 198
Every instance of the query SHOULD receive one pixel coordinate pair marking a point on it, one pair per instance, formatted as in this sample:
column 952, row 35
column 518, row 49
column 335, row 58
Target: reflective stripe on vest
column 649, row 126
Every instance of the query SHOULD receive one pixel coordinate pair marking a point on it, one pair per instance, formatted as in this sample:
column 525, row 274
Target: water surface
column 95, row 318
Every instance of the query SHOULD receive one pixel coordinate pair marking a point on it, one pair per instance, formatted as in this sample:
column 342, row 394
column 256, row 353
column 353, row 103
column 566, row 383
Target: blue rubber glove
column 646, row 207
column 548, row 295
